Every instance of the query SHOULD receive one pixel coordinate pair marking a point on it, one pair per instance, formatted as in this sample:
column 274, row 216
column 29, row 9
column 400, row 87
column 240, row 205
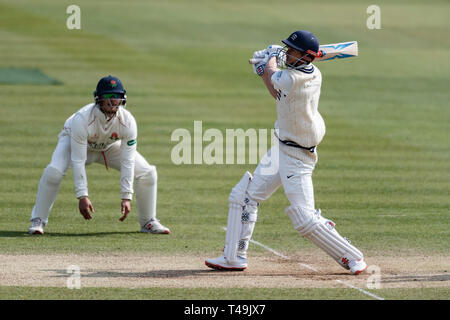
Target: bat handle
column 317, row 54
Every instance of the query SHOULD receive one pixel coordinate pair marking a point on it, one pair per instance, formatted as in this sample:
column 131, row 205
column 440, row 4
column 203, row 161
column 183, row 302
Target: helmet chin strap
column 108, row 115
column 299, row 63
column 111, row 114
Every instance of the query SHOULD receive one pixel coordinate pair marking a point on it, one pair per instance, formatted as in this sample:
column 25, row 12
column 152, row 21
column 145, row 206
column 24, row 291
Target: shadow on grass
column 24, row 234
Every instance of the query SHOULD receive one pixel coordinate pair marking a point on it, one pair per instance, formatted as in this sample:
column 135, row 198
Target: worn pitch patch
column 25, row 76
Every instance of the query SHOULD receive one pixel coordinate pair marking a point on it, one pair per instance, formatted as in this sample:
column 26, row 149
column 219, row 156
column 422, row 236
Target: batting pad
column 234, row 223
column 234, row 226
column 323, row 235
column 248, row 220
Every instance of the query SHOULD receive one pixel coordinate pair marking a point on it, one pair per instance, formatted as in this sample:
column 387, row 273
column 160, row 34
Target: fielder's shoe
column 358, row 266
column 153, row 226
column 221, row 263
column 37, row 226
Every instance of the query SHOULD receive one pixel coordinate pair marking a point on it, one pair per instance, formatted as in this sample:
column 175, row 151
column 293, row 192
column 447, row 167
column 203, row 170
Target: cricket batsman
column 103, row 132
column 299, row 129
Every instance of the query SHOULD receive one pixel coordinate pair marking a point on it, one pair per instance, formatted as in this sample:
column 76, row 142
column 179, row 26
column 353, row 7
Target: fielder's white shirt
column 90, row 130
column 298, row 117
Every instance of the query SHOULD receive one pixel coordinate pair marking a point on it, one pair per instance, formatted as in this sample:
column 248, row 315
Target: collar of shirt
column 102, row 117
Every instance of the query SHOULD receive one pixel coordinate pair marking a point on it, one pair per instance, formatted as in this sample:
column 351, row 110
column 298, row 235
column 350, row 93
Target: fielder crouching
column 300, row 128
column 106, row 133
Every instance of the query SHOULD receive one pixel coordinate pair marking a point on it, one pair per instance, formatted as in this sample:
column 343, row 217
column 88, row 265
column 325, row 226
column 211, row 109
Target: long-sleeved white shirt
column 90, row 130
column 299, row 119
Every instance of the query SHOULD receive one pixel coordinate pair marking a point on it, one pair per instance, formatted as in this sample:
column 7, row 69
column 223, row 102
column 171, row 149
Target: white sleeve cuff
column 126, row 195
column 82, row 194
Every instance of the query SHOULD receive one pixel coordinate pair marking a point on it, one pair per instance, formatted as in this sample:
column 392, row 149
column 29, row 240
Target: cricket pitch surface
column 311, row 270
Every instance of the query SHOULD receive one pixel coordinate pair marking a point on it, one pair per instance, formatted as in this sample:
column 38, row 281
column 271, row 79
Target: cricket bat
column 332, row 51
column 338, row 51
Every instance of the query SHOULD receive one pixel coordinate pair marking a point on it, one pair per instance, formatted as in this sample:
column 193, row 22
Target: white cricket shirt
column 298, row 118
column 90, row 130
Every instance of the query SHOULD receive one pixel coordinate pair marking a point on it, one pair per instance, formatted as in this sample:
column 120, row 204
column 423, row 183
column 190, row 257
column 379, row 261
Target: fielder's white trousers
column 145, row 178
column 279, row 169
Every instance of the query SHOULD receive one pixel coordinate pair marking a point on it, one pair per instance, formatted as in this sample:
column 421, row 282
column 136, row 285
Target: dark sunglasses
column 112, row 96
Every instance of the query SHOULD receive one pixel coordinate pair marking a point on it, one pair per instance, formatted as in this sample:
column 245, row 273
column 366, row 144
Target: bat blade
column 338, row 51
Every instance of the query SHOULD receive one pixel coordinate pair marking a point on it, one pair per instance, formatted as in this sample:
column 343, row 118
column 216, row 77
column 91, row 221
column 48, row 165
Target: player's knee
column 303, row 220
column 53, row 175
column 149, row 174
column 239, row 192
column 255, row 197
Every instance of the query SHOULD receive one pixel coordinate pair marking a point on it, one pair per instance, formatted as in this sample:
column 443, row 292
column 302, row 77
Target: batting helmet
column 107, row 85
column 305, row 42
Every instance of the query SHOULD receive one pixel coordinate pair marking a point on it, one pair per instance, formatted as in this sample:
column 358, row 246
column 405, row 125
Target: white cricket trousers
column 296, row 178
column 274, row 170
column 277, row 169
column 145, row 179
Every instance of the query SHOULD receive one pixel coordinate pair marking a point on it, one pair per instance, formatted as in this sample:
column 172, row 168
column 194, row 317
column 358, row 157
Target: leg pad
column 323, row 235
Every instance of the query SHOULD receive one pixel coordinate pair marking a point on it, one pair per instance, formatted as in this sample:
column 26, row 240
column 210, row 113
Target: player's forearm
column 78, row 158
column 126, row 182
column 80, row 180
column 78, row 155
column 270, row 69
column 127, row 163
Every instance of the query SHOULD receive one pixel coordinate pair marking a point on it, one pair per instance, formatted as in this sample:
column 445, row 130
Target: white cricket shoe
column 357, row 266
column 153, row 226
column 221, row 263
column 37, row 226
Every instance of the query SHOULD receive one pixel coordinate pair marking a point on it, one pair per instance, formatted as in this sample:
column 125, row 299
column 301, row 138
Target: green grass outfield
column 384, row 169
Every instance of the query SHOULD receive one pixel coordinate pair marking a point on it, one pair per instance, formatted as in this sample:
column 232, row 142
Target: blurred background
column 383, row 172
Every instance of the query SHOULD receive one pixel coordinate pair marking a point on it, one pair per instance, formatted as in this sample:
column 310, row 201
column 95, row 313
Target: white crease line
column 361, row 290
column 270, row 249
column 278, row 254
column 307, row 266
column 265, row 247
column 312, row 268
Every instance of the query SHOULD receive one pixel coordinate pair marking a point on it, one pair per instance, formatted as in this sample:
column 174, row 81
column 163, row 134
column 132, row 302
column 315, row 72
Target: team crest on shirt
column 93, row 139
column 114, row 136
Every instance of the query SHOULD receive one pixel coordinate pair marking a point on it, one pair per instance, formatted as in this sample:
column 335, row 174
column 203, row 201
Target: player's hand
column 259, row 67
column 261, row 57
column 125, row 208
column 270, row 51
column 273, row 50
column 86, row 208
column 260, row 54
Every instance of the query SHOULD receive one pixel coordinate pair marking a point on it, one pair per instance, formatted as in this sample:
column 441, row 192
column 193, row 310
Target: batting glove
column 259, row 54
column 259, row 66
column 273, row 50
column 265, row 54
